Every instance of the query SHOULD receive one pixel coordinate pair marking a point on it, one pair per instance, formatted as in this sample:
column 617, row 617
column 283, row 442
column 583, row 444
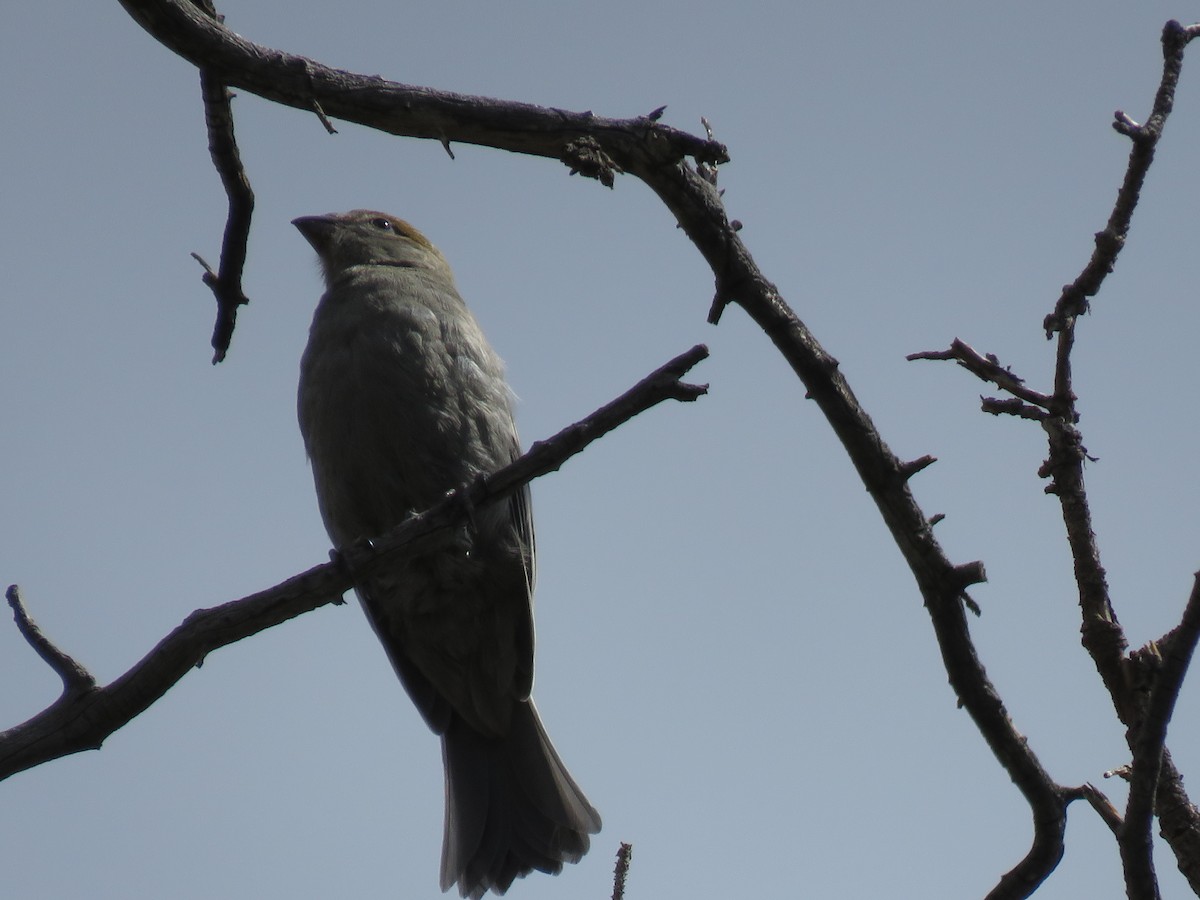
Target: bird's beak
column 316, row 229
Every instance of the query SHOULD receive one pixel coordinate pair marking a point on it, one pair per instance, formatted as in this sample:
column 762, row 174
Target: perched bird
column 402, row 400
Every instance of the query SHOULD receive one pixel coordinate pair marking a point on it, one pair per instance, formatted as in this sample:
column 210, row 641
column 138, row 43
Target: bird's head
column 364, row 237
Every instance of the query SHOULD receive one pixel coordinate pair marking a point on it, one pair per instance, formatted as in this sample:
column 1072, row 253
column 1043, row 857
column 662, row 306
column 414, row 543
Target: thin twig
column 913, row 466
column 75, row 678
column 316, row 106
column 988, row 368
column 226, row 284
column 1074, row 299
column 621, row 870
column 1100, row 803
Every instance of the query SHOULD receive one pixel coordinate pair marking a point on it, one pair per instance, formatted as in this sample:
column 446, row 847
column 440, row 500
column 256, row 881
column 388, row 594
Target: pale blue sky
column 732, row 659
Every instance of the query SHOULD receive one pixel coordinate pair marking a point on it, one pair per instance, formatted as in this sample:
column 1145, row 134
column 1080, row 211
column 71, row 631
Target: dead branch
column 85, row 715
column 1152, row 773
column 226, row 284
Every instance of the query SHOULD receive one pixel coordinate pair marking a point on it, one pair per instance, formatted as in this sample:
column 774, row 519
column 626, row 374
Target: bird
column 402, row 400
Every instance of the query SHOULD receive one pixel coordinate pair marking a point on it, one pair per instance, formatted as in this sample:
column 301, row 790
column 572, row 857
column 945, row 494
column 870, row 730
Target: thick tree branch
column 414, row 111
column 698, row 208
column 589, row 145
column 85, row 715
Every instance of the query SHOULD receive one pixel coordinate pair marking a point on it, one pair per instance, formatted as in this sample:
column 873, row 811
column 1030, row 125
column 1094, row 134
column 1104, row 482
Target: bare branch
column 1179, row 821
column 1102, row 634
column 1074, row 299
column 1011, row 406
column 75, row 678
column 1166, row 663
column 84, row 719
column 226, row 284
column 1049, row 824
column 588, row 145
column 1100, row 803
column 84, row 716
column 698, row 209
column 329, row 129
column 404, row 110
column 621, row 870
column 913, row 466
column 986, row 368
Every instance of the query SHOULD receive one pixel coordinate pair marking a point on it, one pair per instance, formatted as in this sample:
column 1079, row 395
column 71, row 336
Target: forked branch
column 1155, row 784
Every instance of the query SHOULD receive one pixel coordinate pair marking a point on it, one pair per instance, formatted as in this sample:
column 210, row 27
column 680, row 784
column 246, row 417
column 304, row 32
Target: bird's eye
column 381, row 223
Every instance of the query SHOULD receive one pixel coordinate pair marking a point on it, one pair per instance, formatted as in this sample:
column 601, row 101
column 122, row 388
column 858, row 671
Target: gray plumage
column 401, row 400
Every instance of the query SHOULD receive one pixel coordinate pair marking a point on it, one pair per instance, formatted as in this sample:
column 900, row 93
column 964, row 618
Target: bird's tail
column 511, row 806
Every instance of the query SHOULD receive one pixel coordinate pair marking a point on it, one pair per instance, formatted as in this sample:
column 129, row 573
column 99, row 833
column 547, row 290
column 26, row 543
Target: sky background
column 733, row 660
